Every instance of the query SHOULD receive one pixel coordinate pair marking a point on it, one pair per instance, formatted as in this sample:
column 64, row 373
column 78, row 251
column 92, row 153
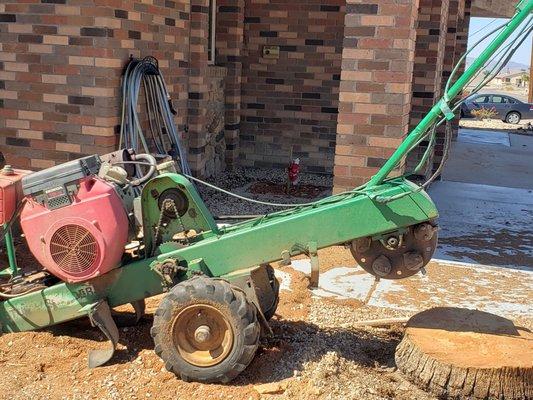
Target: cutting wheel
column 397, row 255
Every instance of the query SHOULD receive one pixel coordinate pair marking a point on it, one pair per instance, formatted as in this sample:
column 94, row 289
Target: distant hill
column 510, row 68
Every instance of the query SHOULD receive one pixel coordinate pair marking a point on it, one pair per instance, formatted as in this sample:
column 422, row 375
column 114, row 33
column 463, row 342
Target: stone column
column 230, row 40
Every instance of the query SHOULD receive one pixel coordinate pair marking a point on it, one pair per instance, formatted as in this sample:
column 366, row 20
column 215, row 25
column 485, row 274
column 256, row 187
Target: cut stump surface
column 467, row 354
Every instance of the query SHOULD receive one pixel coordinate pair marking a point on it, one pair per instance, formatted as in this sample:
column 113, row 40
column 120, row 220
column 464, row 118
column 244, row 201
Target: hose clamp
column 445, row 108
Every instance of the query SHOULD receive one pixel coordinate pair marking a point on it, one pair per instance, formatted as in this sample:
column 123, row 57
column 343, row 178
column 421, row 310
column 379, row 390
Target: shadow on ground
column 293, row 344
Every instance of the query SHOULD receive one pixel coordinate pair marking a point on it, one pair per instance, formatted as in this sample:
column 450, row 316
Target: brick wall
column 290, row 103
column 456, row 43
column 61, row 63
column 375, row 89
column 427, row 72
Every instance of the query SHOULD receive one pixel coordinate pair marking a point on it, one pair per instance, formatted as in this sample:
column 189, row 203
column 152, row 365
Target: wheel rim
column 202, row 335
column 513, row 118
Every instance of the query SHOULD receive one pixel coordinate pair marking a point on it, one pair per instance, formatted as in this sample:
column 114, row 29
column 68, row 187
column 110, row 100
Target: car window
column 498, row 99
column 509, row 100
column 482, row 99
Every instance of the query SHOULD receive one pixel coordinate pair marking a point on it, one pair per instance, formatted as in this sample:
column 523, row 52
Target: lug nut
column 392, row 241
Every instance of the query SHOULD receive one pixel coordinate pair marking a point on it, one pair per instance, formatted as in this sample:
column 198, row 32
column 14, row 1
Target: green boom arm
column 524, row 8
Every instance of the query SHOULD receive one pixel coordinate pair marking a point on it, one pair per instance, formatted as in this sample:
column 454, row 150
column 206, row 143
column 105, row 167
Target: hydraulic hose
column 163, row 135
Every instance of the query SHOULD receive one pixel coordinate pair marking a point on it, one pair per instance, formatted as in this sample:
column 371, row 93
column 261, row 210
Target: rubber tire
column 241, row 314
column 275, row 288
column 511, row 113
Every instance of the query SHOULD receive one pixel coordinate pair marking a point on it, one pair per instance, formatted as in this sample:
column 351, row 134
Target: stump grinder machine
column 104, row 238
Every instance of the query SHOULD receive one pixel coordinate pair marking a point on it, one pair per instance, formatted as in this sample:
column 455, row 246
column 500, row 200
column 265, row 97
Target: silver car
column 509, row 109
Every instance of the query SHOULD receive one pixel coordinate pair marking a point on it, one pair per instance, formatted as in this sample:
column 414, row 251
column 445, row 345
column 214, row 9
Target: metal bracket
column 100, row 316
column 126, row 319
column 520, row 5
column 197, row 267
column 13, row 269
column 315, row 267
column 285, row 258
column 167, row 270
column 139, row 307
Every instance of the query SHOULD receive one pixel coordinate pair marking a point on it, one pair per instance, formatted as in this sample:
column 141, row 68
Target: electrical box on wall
column 271, row 51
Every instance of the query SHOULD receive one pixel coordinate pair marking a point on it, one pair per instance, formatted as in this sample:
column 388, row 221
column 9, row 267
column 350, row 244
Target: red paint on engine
column 82, row 240
column 10, row 193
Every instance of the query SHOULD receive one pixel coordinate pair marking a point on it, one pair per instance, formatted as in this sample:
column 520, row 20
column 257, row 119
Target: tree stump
column 467, row 354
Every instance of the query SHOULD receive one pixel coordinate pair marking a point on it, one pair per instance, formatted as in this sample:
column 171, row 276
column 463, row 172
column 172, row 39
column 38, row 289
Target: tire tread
column 247, row 329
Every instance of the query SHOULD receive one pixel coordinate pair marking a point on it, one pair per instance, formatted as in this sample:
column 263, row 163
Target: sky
column 522, row 55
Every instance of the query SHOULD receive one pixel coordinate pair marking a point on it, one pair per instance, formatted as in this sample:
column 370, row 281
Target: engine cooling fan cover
column 74, row 248
column 80, row 240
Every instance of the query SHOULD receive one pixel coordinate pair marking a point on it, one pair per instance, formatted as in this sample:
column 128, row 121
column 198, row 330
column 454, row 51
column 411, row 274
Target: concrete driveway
column 486, row 200
column 491, row 158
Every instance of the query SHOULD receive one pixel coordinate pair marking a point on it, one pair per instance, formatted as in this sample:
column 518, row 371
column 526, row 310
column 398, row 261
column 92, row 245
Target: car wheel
column 513, row 118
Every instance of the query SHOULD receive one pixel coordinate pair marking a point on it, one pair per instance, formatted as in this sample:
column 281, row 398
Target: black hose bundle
column 164, row 138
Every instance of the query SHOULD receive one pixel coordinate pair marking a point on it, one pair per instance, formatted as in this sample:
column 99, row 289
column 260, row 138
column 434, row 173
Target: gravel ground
column 239, row 180
column 316, row 352
column 525, row 127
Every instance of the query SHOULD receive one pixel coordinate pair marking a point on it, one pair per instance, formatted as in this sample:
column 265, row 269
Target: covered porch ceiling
column 493, row 8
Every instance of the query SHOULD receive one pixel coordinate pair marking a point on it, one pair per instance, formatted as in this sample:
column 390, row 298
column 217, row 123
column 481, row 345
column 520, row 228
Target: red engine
column 75, row 223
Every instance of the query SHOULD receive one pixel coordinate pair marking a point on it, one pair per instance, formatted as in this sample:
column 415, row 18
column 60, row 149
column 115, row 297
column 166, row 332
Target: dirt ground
column 315, row 353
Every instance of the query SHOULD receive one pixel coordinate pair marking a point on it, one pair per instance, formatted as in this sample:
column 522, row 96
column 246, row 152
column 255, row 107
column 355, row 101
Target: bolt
column 202, row 334
column 8, row 170
column 392, row 242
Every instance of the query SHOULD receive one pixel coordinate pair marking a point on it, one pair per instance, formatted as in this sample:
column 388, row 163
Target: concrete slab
column 473, row 161
column 486, row 200
column 483, row 137
column 488, row 225
column 522, row 142
column 497, row 290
